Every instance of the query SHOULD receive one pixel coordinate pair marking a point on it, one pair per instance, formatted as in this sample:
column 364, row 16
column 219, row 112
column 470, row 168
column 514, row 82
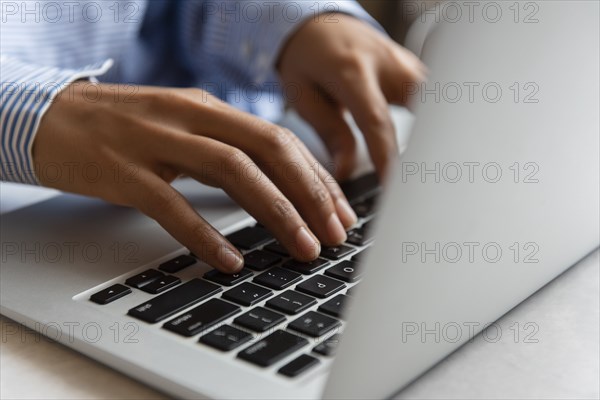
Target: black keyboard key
column 110, row 294
column 250, row 238
column 227, row 280
column 278, row 278
column 361, row 236
column 175, row 300
column 306, row 268
column 277, row 248
column 298, row 366
column 247, row 294
column 336, row 252
column 335, row 306
column 260, row 260
column 201, row 318
column 144, row 278
column 320, row 286
column 329, row 346
column 177, row 264
column 346, row 271
column 367, row 185
column 365, row 208
column 360, row 256
column 259, row 319
column 162, row 284
column 314, row 324
column 273, row 348
column 291, row 302
column 226, row 338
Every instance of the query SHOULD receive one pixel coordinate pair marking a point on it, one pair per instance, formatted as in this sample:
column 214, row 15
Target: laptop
column 496, row 195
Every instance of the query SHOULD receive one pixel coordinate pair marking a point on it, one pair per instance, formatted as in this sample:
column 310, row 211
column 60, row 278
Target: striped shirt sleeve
column 243, row 41
column 27, row 91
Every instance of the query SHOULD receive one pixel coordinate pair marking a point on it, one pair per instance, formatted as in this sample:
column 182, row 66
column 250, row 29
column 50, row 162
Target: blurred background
column 396, row 16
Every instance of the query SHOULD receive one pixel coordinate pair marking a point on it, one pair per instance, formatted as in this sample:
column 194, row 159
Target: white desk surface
column 563, row 362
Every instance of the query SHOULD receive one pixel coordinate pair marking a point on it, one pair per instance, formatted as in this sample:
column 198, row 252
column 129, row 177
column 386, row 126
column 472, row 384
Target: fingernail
column 336, row 231
column 308, row 245
column 230, row 260
column 346, row 213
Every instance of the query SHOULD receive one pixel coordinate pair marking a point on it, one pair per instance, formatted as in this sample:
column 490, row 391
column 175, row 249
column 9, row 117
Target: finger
column 232, row 170
column 160, row 201
column 363, row 96
column 402, row 77
column 274, row 150
column 344, row 210
column 327, row 117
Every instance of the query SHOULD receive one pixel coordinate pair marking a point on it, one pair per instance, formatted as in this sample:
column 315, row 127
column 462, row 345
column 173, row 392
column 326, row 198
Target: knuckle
column 236, row 165
column 282, row 208
column 158, row 201
column 199, row 96
column 193, row 91
column 202, row 232
column 352, row 67
column 156, row 100
column 334, row 189
column 378, row 118
column 320, row 195
column 278, row 138
column 234, row 157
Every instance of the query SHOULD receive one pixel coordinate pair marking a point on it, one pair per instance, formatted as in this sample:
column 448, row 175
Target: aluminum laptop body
column 479, row 213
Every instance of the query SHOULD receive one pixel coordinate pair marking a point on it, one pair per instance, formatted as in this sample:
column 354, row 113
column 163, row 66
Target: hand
column 162, row 133
column 349, row 65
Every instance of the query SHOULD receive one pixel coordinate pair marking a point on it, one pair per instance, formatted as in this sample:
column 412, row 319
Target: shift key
column 173, row 301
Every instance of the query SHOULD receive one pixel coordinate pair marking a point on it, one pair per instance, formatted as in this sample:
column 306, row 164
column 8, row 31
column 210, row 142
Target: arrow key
column 162, row 284
column 110, row 294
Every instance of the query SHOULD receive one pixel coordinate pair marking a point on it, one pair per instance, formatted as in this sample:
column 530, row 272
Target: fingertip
column 346, row 213
column 231, row 260
column 335, row 230
column 307, row 245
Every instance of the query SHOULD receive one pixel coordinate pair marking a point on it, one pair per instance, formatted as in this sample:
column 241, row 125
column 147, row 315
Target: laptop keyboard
column 293, row 301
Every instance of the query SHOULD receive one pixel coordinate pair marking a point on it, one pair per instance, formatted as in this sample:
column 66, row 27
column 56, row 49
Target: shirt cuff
column 26, row 94
column 253, row 33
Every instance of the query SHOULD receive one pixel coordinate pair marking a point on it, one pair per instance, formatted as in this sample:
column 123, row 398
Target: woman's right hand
column 161, row 134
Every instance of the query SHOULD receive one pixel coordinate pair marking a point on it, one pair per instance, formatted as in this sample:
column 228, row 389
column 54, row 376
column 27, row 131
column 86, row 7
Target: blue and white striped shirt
column 225, row 47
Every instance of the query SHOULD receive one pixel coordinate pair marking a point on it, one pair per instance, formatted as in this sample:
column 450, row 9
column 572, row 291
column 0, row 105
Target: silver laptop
column 479, row 213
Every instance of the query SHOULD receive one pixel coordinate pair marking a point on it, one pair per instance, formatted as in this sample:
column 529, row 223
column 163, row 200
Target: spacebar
column 175, row 300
